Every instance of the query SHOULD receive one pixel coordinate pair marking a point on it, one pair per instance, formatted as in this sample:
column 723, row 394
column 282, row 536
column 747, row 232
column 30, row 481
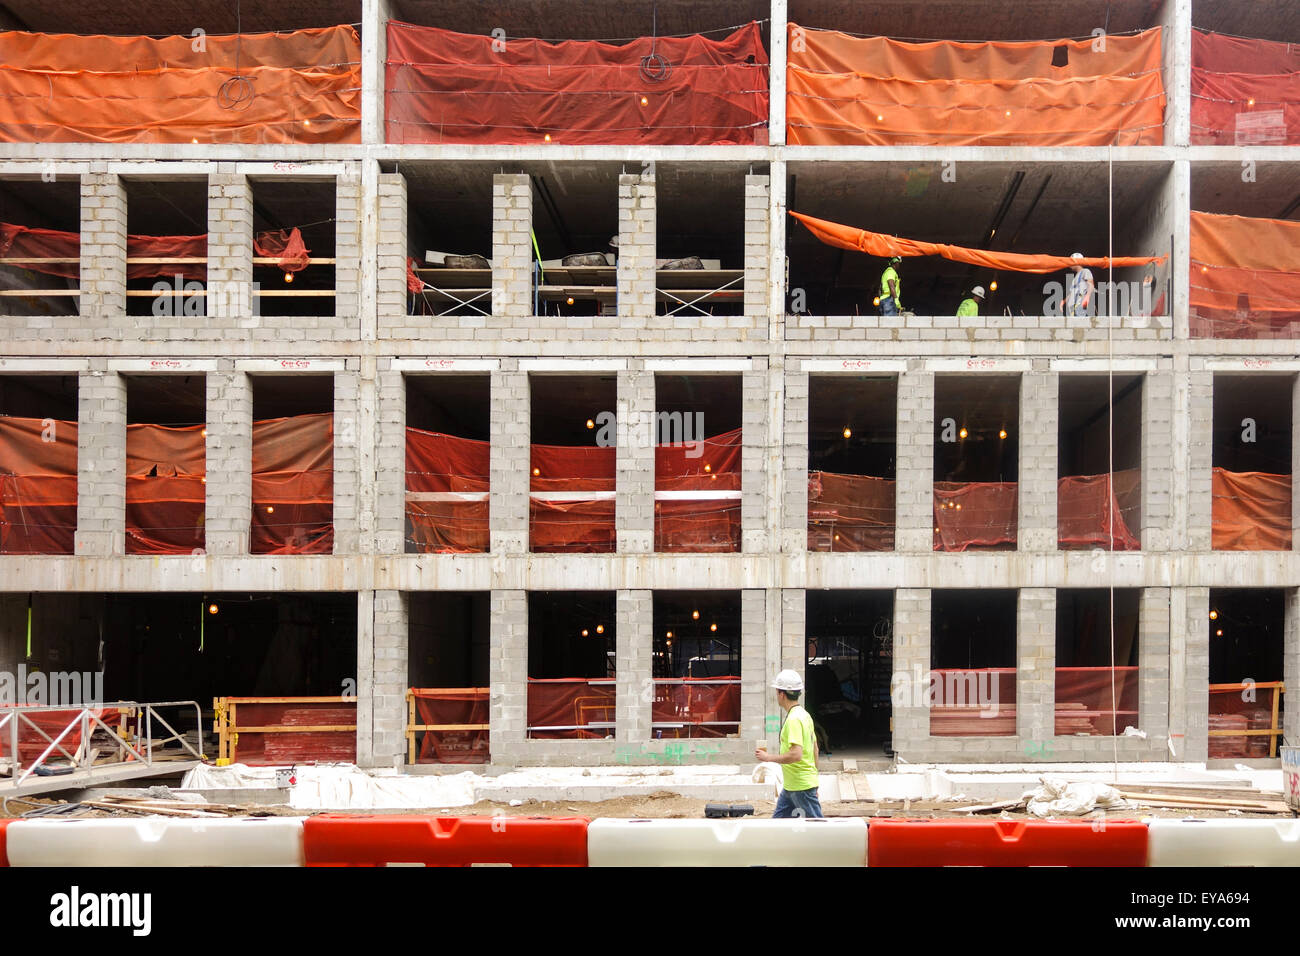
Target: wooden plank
column 62, row 292
column 450, row 690
column 451, row 726
column 284, row 729
column 290, row 700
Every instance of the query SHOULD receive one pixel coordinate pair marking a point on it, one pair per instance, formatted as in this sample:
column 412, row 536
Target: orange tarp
column 879, row 244
column 1085, row 505
column 1084, row 702
column 38, row 486
column 1245, row 277
column 698, row 708
column 303, row 87
column 1252, row 511
column 445, row 706
column 573, row 704
column 850, row 512
column 19, row 241
column 1244, row 91
column 293, row 485
column 981, row 514
column 165, row 491
column 441, row 463
column 845, row 90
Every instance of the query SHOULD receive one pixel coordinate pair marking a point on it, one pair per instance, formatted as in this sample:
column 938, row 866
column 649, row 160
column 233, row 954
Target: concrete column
column 637, row 225
column 1295, row 460
column 375, row 15
column 777, row 72
column 103, row 246
column 1153, row 669
column 1176, row 43
column 230, row 245
column 1157, row 460
column 909, row 689
column 346, row 460
column 1036, row 468
column 634, row 619
column 367, row 485
column 754, row 670
column 508, row 673
column 389, row 680
column 512, row 244
column 366, row 680
column 914, row 495
column 794, row 631
column 101, row 464
column 794, row 486
column 776, row 276
column 1181, row 174
column 635, row 477
column 1196, row 674
column 228, row 513
column 510, row 459
column 348, row 244
column 758, row 228
column 1036, row 665
column 757, row 459
column 1291, row 665
column 391, row 256
column 390, row 465
column 1200, row 461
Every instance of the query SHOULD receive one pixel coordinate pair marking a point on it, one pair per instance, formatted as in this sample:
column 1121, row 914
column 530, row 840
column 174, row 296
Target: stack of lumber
column 1190, row 796
column 166, row 808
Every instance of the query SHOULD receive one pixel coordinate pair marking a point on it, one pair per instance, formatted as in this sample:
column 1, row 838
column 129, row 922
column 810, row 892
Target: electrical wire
column 237, row 93
column 655, row 67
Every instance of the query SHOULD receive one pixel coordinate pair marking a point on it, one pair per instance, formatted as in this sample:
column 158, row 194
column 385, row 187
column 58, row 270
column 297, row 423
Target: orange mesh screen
column 265, row 749
column 445, row 87
column 1245, row 277
column 707, row 524
column 571, row 526
column 165, row 491
column 978, row 514
column 18, row 242
column 973, row 702
column 696, row 707
column 1232, row 708
column 301, row 87
column 452, row 707
column 38, row 486
column 285, row 244
column 850, row 512
column 1084, row 704
column 570, row 707
column 851, row 91
column 438, row 464
column 1244, row 91
column 1085, row 505
column 293, row 485
column 1252, row 511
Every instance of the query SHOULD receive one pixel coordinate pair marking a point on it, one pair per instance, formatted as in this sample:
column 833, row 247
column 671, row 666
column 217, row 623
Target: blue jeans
column 798, row 803
column 887, row 306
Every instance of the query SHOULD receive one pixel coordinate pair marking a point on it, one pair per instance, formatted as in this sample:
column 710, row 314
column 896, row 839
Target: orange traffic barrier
column 1006, row 843
column 4, row 855
column 340, row 840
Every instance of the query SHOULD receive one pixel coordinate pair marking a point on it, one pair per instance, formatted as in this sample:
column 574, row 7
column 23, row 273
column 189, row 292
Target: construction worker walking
column 891, row 289
column 971, row 304
column 798, row 757
column 1078, row 289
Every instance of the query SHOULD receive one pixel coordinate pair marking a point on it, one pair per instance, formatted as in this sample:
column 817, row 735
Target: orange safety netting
column 261, row 749
column 38, row 728
column 696, row 707
column 850, row 512
column 165, row 489
column 973, row 702
column 285, row 244
column 297, row 87
column 703, row 524
column 570, row 707
column 1084, row 704
column 447, row 706
column 878, row 244
column 1251, row 511
column 444, row 465
column 852, row 91
column 1085, row 505
column 1244, row 91
column 445, row 87
column 1245, row 277
column 21, row 242
column 293, row 485
column 584, row 525
column 977, row 514
column 1242, row 707
column 38, row 486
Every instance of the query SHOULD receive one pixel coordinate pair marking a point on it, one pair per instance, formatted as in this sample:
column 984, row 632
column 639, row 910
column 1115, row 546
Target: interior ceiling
column 1083, row 397
column 1266, row 19
column 1275, row 193
column 976, row 20
column 55, row 205
column 458, row 403
column 1263, row 397
column 562, row 404
column 311, row 205
column 166, row 399
column 867, row 406
column 978, row 401
column 166, row 208
column 172, row 17
column 279, row 396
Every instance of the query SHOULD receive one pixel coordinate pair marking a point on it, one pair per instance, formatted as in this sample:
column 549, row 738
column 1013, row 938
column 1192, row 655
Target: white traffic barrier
column 156, row 841
column 1223, row 842
column 727, row 842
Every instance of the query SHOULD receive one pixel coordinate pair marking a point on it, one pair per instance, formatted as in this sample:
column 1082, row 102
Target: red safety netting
column 1242, row 707
column 293, row 485
column 286, row 245
column 452, row 706
column 165, row 489
column 1085, row 505
column 1244, row 91
column 267, row 749
column 696, row 707
column 699, row 524
column 979, row 514
column 34, row 740
column 564, row 525
column 973, row 702
column 1245, row 277
column 21, row 242
column 38, row 486
column 302, row 86
column 1084, row 702
column 570, row 707
column 850, row 512
column 446, row 467
column 1251, row 512
column 855, row 91
column 445, row 87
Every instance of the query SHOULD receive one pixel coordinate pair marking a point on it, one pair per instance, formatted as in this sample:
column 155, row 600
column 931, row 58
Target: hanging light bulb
column 600, row 628
column 212, row 609
column 993, row 286
column 537, row 472
column 962, row 433
column 584, row 632
column 547, row 137
column 645, row 101
column 306, row 122
column 708, row 468
column 1002, row 433
column 713, row 626
column 590, row 423
column 1219, row 633
column 1214, row 615
column 569, row 301
column 1250, row 102
column 204, row 433
column 848, row 432
column 270, row 509
column 876, row 301
column 288, row 277
column 670, row 635
column 880, row 118
column 695, row 615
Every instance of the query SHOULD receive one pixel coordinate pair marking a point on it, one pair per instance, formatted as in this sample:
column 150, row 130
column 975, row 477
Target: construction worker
column 891, row 289
column 969, row 305
column 798, row 757
column 1078, row 289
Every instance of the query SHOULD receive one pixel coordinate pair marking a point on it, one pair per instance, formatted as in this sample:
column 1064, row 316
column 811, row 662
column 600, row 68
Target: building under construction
column 468, row 378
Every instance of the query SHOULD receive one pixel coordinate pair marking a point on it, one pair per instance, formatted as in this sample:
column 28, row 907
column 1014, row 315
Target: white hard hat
column 1076, row 255
column 788, row 680
column 978, row 290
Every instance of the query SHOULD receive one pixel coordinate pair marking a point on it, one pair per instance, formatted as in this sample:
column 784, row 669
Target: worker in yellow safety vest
column 970, row 305
column 891, row 289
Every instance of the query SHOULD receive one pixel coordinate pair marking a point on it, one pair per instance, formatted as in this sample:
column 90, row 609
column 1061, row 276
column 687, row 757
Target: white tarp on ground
column 1059, row 798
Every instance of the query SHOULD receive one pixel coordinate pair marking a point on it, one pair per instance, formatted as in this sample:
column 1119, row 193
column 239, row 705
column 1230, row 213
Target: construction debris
column 1056, row 797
